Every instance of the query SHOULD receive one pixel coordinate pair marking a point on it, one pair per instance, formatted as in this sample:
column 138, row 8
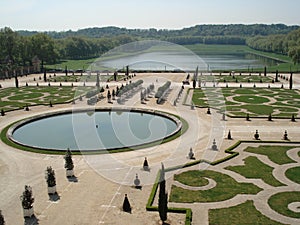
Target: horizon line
column 149, row 28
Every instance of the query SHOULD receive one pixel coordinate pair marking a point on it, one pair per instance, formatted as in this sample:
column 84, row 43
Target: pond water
column 94, row 130
column 186, row 62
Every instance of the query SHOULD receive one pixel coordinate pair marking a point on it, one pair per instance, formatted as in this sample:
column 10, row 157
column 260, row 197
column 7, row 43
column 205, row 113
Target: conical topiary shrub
column 145, row 164
column 293, row 118
column 126, row 205
column 247, row 117
column 229, row 135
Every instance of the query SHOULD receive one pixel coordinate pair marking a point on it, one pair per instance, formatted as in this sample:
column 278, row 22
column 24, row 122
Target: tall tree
column 43, row 48
column 127, row 71
column 16, row 82
column 98, row 81
column 8, row 44
column 291, row 81
column 163, row 196
column 45, row 75
column 194, row 84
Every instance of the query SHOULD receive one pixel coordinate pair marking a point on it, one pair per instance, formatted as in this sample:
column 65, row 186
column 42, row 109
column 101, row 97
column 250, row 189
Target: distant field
column 72, row 64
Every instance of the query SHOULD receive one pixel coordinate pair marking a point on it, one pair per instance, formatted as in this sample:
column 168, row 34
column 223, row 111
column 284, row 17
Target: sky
column 62, row 15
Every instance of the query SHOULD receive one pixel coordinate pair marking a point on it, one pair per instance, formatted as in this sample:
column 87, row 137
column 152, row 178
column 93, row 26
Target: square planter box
column 52, row 190
column 28, row 212
column 69, row 173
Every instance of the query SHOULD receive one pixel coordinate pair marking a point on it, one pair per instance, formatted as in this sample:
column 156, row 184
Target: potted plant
column 69, row 164
column 27, row 201
column 2, row 221
column 51, row 182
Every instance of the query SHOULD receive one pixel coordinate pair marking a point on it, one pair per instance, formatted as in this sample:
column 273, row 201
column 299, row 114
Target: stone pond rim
column 7, row 133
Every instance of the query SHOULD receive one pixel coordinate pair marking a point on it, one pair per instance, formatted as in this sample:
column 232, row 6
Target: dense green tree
column 8, row 44
column 281, row 44
column 291, row 81
column 43, row 48
column 294, row 53
column 20, row 48
column 163, row 196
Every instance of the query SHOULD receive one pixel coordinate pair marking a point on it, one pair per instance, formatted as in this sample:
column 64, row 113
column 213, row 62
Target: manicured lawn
column 293, row 174
column 258, row 110
column 84, row 78
column 277, row 154
column 193, row 179
column 280, row 201
column 257, row 102
column 16, row 98
column 252, row 99
column 245, row 213
column 237, row 78
column 256, row 169
column 226, row 188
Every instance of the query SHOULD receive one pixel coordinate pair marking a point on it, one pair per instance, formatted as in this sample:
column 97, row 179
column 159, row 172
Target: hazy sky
column 49, row 15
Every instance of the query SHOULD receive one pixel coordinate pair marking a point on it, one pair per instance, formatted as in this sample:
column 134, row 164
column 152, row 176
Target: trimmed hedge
column 161, row 90
column 92, row 93
column 129, row 87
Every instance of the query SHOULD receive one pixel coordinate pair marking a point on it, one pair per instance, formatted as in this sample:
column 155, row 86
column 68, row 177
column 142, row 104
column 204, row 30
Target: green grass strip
column 226, row 188
column 293, row 174
column 277, row 154
column 280, row 201
column 250, row 170
column 244, row 213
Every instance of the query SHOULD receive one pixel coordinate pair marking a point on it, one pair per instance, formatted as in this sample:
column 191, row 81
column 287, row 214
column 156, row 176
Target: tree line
column 282, row 44
column 198, row 30
column 22, row 48
column 18, row 53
